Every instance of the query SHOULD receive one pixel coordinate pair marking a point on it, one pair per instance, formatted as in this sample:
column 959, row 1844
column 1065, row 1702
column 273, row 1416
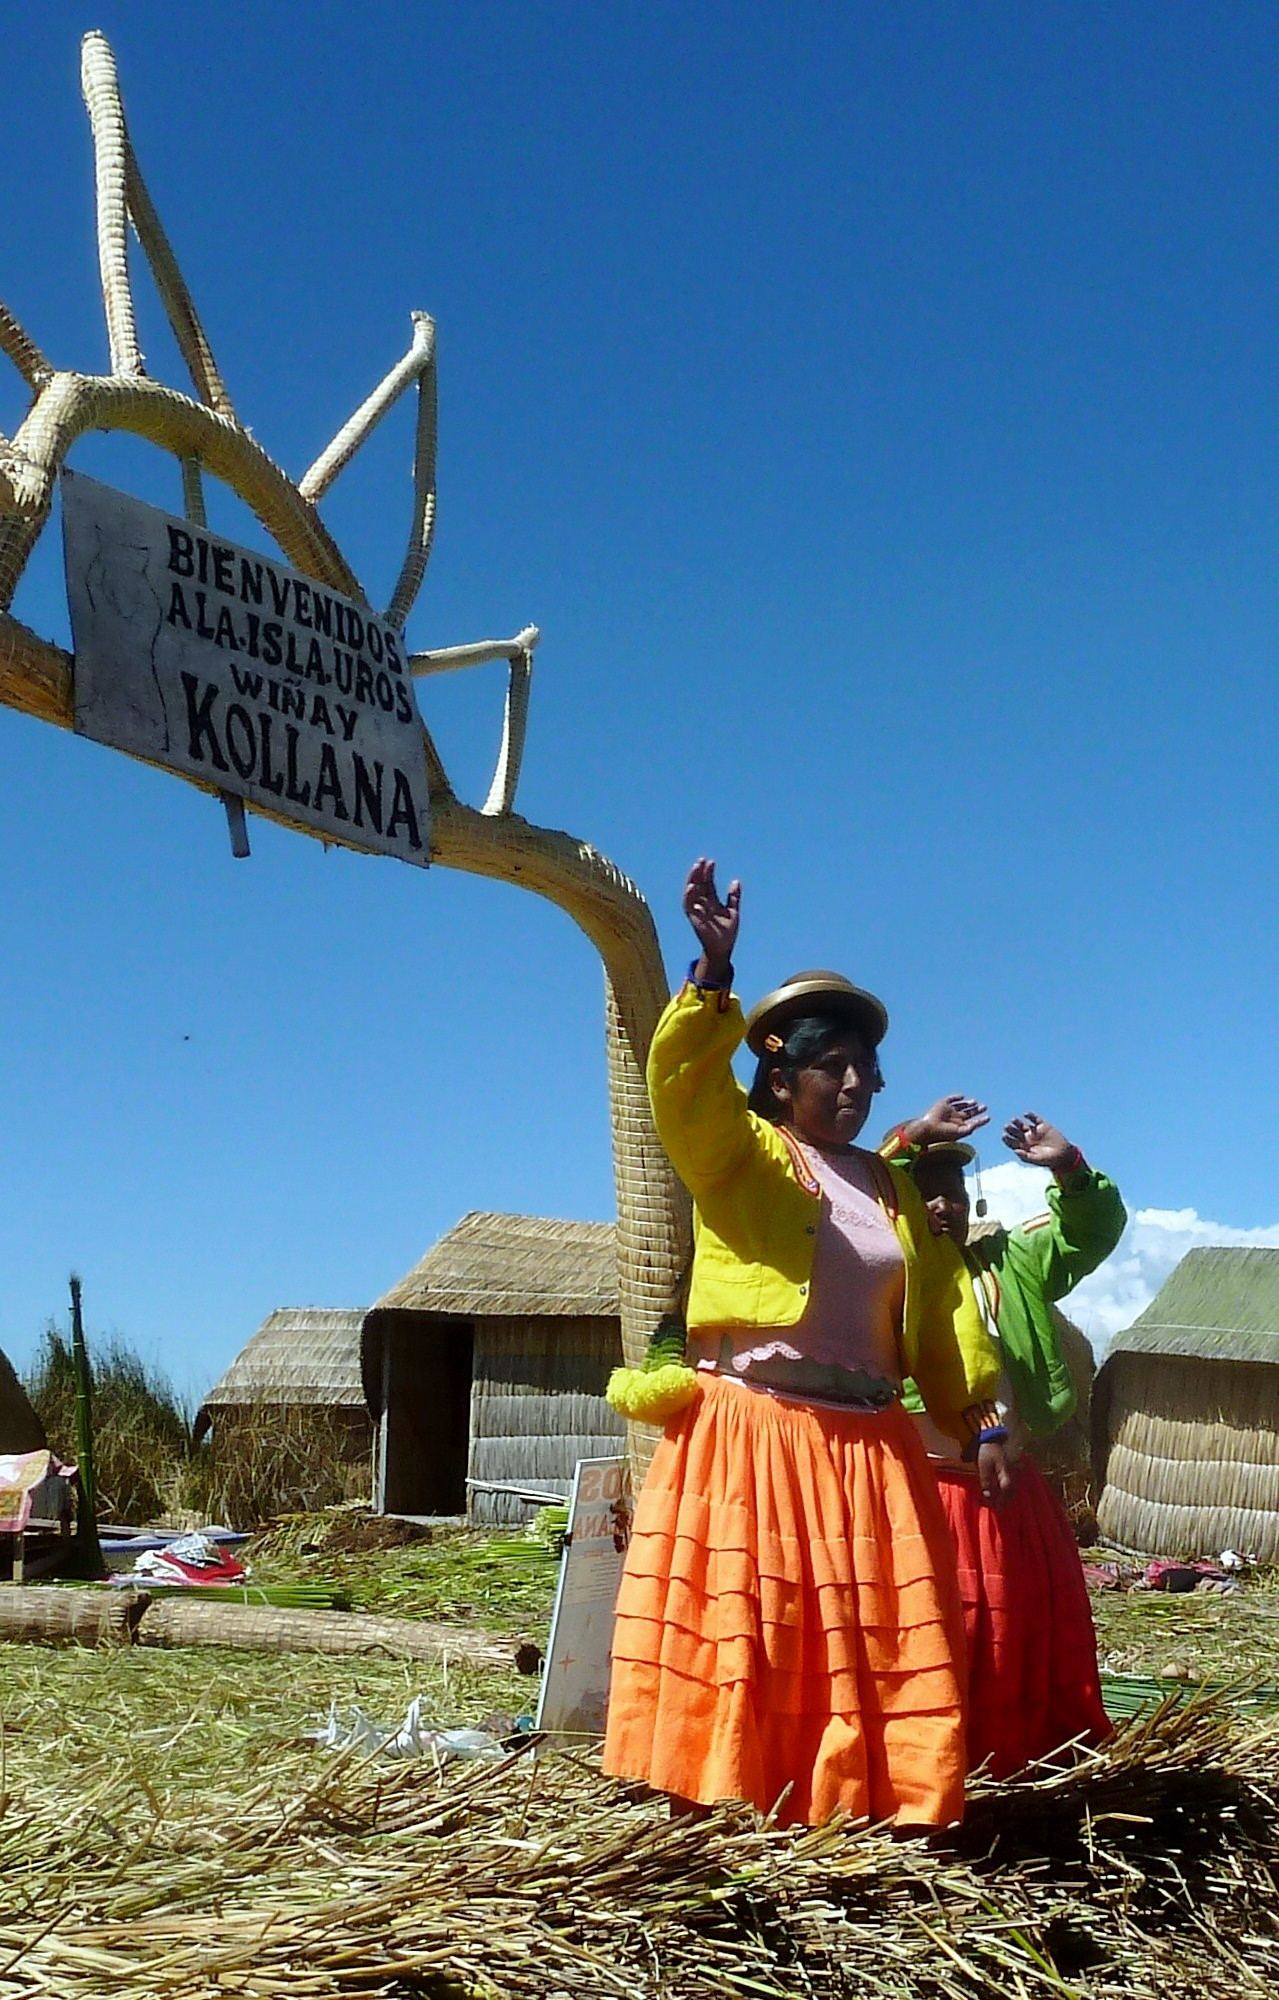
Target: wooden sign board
column 574, row 1694
column 227, row 666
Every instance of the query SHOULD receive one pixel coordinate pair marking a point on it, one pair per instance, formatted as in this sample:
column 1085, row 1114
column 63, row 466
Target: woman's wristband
column 723, row 985
column 981, row 1418
column 1073, row 1165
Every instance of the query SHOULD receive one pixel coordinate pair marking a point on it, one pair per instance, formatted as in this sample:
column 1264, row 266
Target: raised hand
column 952, row 1117
column 714, row 921
column 1038, row 1143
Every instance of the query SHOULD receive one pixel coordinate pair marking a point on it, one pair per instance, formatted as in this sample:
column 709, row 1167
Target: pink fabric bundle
column 32, row 1485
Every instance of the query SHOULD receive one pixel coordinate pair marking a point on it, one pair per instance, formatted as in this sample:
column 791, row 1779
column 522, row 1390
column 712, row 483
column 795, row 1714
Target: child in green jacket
column 1033, row 1680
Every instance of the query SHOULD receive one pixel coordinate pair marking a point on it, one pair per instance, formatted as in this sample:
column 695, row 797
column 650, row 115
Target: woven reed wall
column 537, row 1406
column 1190, row 1455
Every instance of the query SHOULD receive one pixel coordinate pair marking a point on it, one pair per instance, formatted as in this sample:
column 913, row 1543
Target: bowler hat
column 814, row 993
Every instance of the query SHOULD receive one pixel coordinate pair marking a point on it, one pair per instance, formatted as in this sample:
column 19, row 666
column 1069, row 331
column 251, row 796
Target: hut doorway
column 425, row 1429
column 485, row 1369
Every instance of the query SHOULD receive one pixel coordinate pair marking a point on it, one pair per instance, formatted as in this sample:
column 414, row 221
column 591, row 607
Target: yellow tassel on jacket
column 652, row 1395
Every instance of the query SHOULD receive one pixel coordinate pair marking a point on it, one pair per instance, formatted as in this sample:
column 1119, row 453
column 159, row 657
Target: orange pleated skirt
column 1032, row 1650
column 789, row 1629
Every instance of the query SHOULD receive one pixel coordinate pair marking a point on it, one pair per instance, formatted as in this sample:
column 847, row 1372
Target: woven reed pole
column 65, row 1617
column 269, row 1628
column 206, row 436
column 89, row 1561
column 654, row 1225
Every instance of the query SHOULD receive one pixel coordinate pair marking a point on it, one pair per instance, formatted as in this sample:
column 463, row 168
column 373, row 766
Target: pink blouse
column 845, row 1347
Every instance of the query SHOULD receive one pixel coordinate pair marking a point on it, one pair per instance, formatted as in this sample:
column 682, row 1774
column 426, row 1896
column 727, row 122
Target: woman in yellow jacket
column 789, row 1630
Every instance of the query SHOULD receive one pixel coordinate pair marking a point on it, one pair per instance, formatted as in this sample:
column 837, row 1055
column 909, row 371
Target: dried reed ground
column 167, row 1829
column 1232, row 1638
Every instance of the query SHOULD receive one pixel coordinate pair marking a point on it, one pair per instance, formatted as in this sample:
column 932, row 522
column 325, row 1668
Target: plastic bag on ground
column 352, row 1729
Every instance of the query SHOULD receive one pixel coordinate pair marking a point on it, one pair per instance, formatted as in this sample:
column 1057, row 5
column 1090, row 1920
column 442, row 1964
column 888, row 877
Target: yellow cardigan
column 756, row 1209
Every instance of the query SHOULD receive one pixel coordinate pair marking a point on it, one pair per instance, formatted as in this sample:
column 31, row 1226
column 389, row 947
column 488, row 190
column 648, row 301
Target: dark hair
column 944, row 1161
column 806, row 1039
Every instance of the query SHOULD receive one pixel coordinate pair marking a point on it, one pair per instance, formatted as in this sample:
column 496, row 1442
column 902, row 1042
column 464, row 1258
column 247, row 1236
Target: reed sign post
column 204, row 434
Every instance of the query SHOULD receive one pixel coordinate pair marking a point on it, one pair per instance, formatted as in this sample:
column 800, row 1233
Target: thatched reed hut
column 1186, row 1413
column 485, row 1368
column 20, row 1427
column 302, row 1367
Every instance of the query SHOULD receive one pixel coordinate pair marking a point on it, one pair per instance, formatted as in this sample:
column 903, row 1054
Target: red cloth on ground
column 1032, row 1651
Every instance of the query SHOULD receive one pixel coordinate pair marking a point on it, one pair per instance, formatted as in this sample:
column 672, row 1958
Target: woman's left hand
column 714, row 921
column 952, row 1117
column 995, row 1472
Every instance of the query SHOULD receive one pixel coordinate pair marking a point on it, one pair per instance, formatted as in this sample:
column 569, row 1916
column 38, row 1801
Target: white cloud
column 1155, row 1240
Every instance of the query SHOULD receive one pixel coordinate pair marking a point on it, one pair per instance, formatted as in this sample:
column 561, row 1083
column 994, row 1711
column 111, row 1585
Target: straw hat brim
column 949, row 1149
column 815, row 993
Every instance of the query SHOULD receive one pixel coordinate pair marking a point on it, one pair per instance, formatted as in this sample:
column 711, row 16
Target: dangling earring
column 980, row 1204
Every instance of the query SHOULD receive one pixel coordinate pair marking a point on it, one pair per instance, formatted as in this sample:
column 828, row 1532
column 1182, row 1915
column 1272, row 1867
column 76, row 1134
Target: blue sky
column 875, row 408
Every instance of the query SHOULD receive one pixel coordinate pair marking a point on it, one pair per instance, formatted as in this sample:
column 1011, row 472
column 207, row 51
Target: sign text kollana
column 229, row 667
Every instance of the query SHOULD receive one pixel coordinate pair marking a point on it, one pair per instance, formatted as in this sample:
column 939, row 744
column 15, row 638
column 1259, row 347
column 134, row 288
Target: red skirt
column 1032, row 1651
column 788, row 1629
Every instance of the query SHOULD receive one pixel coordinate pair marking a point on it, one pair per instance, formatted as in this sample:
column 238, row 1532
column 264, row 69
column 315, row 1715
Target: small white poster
column 574, row 1695
column 233, row 669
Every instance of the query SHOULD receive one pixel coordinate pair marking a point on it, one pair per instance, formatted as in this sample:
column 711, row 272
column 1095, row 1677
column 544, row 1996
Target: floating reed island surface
column 169, row 1828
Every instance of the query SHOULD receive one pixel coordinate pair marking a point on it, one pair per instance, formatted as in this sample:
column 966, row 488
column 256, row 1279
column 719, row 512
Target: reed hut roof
column 1220, row 1304
column 513, row 1267
column 301, row 1355
column 20, row 1427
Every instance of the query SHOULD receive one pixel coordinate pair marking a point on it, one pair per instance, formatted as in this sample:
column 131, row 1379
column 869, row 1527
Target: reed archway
column 204, row 434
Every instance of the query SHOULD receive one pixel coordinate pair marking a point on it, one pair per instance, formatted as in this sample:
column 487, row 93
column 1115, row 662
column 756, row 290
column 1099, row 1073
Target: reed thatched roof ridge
column 299, row 1355
column 1219, row 1304
column 514, row 1266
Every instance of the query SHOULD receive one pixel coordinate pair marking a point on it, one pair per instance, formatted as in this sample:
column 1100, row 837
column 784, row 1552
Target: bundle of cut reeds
column 1146, row 1872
